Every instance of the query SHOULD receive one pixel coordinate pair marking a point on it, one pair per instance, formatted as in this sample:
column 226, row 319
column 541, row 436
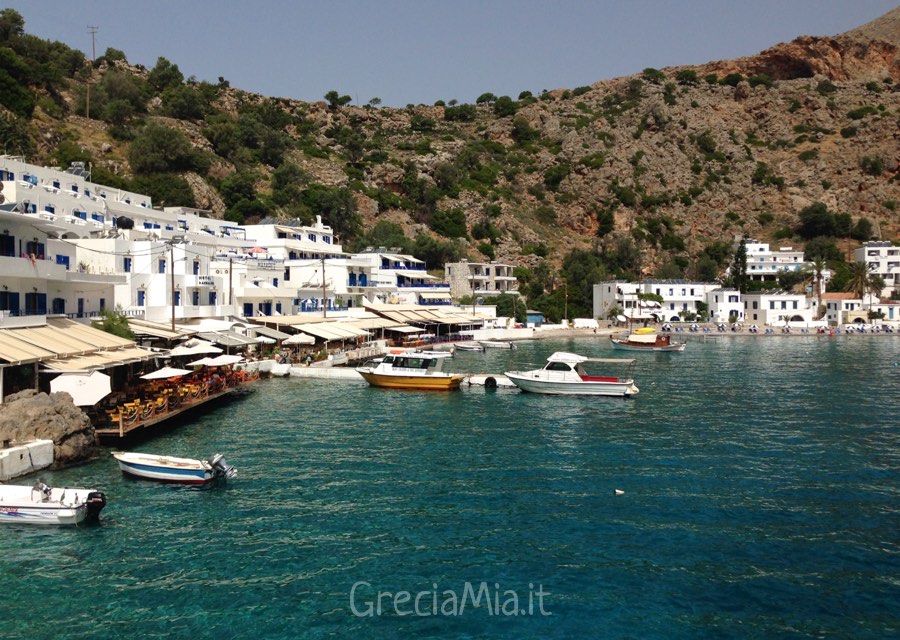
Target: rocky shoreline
column 30, row 415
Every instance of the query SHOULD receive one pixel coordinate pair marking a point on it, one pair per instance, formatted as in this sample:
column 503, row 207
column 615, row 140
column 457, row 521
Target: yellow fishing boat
column 409, row 371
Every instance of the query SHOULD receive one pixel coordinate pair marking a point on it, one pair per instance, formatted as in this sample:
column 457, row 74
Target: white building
column 778, row 307
column 764, row 264
column 725, row 305
column 884, row 260
column 681, row 299
column 480, row 279
column 396, row 278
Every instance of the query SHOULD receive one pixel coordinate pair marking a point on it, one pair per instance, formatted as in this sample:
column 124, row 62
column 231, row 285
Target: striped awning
column 260, row 330
column 101, row 360
column 156, row 330
column 58, row 339
column 333, row 331
column 226, row 338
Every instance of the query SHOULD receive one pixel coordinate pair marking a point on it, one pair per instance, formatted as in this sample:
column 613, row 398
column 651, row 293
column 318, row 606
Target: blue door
column 80, row 307
column 248, row 309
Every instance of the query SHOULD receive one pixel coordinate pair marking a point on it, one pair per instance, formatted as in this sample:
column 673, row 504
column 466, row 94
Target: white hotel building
column 74, row 248
column 884, row 260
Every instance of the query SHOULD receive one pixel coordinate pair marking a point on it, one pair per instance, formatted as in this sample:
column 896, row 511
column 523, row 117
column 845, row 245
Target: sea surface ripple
column 761, row 500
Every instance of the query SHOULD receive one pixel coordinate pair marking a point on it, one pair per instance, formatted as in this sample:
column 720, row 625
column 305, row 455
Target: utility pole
column 324, row 291
column 230, row 290
column 566, row 302
column 87, row 102
column 172, row 276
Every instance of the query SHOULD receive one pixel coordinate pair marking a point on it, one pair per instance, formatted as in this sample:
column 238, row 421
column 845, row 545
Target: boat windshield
column 405, row 362
column 558, row 366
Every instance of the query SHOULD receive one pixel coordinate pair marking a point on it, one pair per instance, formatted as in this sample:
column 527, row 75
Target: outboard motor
column 221, row 468
column 95, row 502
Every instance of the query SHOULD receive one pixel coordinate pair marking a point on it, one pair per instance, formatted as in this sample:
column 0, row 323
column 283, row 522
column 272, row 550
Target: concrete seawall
column 26, row 458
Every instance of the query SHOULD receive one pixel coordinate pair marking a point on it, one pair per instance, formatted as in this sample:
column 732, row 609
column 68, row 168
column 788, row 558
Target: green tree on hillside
column 12, row 25
column 336, row 100
column 739, row 268
column 160, row 149
column 164, row 75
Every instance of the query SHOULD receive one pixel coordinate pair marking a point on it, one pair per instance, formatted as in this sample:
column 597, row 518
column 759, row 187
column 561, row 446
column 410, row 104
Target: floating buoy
column 619, row 492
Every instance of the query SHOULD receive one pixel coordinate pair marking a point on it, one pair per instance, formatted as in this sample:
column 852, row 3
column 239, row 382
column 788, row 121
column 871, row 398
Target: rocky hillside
column 672, row 162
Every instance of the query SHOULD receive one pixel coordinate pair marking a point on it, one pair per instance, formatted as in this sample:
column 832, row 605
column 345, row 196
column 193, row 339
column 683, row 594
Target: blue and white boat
column 41, row 504
column 172, row 469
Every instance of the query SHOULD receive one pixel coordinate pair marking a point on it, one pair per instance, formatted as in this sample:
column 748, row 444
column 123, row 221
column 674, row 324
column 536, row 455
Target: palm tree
column 815, row 272
column 860, row 278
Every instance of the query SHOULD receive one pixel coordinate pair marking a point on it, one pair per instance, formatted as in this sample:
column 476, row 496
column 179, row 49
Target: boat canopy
column 574, row 358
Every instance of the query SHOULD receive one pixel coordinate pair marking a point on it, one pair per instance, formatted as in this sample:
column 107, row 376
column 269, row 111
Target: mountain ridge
column 674, row 162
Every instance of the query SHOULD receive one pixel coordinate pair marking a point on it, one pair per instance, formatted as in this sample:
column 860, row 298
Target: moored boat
column 171, row 469
column 565, row 374
column 41, row 504
column 497, row 344
column 409, row 372
column 469, row 346
column 646, row 339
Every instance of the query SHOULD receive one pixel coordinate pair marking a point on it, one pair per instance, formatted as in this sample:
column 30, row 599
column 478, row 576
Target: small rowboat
column 172, row 469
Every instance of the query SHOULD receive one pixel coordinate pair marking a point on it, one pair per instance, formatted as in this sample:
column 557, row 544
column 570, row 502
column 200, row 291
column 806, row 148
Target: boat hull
column 165, row 469
column 446, row 382
column 19, row 505
column 623, row 345
column 532, row 384
column 497, row 344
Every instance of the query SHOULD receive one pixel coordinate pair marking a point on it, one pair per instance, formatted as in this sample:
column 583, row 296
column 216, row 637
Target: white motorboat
column 469, row 346
column 565, row 374
column 172, row 469
column 497, row 344
column 41, row 504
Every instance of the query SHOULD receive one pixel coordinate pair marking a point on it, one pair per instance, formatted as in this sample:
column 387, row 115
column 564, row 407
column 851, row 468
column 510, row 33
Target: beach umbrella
column 85, row 389
column 194, row 348
column 219, row 361
column 300, row 338
column 165, row 372
column 265, row 340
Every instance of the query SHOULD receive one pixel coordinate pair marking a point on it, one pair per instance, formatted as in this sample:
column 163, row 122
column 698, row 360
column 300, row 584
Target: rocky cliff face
column 674, row 159
column 30, row 415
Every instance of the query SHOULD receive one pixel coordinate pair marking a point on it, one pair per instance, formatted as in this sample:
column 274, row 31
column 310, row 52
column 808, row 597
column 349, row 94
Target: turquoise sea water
column 761, row 500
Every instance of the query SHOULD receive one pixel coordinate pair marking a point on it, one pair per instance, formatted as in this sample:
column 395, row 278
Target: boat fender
column 490, row 382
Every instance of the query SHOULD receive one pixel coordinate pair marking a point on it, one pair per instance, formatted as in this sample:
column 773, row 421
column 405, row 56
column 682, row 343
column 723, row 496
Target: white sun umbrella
column 194, row 348
column 85, row 389
column 165, row 372
column 224, row 359
column 300, row 338
column 265, row 339
column 218, row 361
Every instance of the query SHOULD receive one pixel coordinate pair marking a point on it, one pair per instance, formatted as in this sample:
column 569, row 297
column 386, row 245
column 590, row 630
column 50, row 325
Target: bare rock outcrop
column 29, row 415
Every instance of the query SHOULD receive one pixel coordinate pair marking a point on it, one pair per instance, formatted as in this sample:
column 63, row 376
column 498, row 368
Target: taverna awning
column 67, row 345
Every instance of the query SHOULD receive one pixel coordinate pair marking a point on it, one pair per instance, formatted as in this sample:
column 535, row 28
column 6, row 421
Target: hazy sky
column 418, row 51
